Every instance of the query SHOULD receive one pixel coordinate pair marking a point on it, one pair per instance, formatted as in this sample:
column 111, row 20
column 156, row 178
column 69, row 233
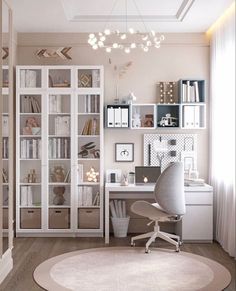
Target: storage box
column 5, row 218
column 88, row 218
column 30, row 218
column 59, row 218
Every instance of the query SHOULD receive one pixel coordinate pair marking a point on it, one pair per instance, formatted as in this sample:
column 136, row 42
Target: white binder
column 118, row 117
column 124, row 117
column 197, row 117
column 110, row 117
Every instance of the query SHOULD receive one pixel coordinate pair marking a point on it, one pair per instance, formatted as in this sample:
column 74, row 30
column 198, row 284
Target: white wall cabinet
column 59, row 150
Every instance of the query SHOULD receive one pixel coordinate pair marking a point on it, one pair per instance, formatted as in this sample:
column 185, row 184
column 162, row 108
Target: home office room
column 118, row 145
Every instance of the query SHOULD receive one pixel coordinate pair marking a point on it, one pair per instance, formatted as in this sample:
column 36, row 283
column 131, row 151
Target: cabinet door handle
column 30, row 211
column 89, row 211
column 58, row 211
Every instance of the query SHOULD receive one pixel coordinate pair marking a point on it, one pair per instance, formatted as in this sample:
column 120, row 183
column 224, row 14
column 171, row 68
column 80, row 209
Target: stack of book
column 91, row 127
column 62, row 125
column 85, row 197
column 28, row 78
column 30, row 104
column 4, row 176
column 26, row 198
column 5, row 148
column 30, row 149
column 92, row 104
column 59, row 148
column 55, row 103
column 190, row 92
column 194, row 182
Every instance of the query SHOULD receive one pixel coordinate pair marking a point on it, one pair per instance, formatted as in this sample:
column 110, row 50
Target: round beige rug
column 130, row 269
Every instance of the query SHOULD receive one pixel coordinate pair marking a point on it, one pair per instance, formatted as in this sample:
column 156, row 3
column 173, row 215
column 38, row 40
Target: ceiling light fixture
column 127, row 41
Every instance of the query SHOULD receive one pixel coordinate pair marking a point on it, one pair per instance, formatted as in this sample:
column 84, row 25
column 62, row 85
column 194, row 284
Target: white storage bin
column 120, row 226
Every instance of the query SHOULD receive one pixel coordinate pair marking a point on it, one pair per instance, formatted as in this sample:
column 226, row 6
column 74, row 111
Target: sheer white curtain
column 222, row 143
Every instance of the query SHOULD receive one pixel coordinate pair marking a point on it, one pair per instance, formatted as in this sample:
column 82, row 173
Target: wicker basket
column 120, row 226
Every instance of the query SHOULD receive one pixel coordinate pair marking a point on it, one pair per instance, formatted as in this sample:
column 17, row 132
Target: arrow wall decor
column 5, row 52
column 61, row 52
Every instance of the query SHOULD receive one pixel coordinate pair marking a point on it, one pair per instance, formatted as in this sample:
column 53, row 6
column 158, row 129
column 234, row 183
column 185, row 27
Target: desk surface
column 116, row 187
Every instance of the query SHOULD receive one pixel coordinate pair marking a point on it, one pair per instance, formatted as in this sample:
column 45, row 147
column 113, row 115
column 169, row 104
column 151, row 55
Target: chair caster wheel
column 132, row 244
column 147, row 251
column 177, row 250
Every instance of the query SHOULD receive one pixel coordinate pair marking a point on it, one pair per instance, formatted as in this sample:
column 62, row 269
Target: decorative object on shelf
column 4, row 176
column 31, row 177
column 166, row 92
column 129, row 40
column 125, row 180
column 113, row 175
column 148, row 121
column 59, row 82
column 61, row 52
column 89, row 148
column 129, row 99
column 62, row 125
column 59, row 195
column 85, row 80
column 168, row 121
column 58, row 174
column 31, row 127
column 92, row 175
column 160, row 147
column 5, row 53
column 131, row 177
column 124, row 152
column 136, row 120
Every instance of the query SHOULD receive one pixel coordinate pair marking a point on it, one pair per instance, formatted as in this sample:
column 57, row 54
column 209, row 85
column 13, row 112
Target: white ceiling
column 91, row 15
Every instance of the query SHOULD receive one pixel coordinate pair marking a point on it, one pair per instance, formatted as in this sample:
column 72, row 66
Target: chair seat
column 152, row 211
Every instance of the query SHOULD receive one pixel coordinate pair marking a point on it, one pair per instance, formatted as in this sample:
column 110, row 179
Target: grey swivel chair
column 169, row 206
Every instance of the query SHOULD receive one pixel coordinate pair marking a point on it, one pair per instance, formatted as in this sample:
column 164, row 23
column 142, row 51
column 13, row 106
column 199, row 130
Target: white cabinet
column 197, row 223
column 59, row 139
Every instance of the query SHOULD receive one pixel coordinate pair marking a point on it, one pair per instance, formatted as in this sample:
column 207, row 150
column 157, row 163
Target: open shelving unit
column 59, row 138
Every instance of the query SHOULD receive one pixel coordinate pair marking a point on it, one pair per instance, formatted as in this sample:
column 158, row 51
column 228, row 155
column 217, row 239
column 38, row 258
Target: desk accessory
column 145, row 175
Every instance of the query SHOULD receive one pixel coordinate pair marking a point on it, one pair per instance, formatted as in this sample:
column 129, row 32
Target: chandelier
column 110, row 40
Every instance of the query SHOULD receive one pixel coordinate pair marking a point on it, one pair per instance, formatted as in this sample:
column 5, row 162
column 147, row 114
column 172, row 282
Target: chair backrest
column 169, row 189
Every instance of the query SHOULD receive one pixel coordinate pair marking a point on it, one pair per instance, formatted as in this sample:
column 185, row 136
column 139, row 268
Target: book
column 5, row 126
column 196, row 91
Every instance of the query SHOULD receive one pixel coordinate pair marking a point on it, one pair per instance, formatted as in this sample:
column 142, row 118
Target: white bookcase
column 59, row 141
column 5, row 146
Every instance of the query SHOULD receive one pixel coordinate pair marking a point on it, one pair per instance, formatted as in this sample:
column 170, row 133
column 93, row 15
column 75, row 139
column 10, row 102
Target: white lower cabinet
column 197, row 223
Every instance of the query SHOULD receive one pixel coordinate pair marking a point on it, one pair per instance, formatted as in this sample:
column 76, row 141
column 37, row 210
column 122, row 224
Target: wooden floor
column 30, row 252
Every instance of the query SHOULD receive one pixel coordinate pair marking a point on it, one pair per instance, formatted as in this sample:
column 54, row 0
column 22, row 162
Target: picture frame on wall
column 124, row 152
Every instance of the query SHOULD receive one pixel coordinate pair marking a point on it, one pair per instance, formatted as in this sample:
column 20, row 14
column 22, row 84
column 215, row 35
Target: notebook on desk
column 146, row 175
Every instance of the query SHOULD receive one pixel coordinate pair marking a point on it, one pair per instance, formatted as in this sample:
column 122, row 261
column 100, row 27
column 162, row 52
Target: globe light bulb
column 162, row 37
column 157, row 45
column 127, row 50
column 92, row 35
column 115, row 45
column 153, row 33
column 103, row 38
column 95, row 46
column 145, row 37
column 100, row 44
column 145, row 49
column 131, row 30
column 148, row 43
column 123, row 36
column 107, row 31
column 133, row 45
column 108, row 49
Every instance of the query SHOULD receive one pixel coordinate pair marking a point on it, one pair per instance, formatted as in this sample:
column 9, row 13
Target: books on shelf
column 26, row 198
column 59, row 148
column 67, row 177
column 55, row 104
column 5, row 126
column 91, row 127
column 85, row 197
column 5, row 148
column 30, row 149
column 95, row 78
column 28, row 78
column 62, row 125
column 194, row 182
column 30, row 104
column 92, row 103
column 80, row 174
column 190, row 92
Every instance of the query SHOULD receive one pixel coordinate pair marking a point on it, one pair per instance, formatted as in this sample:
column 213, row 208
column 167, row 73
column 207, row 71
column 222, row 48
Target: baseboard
column 6, row 264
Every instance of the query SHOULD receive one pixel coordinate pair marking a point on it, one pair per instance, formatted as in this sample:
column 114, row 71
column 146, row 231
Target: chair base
column 171, row 238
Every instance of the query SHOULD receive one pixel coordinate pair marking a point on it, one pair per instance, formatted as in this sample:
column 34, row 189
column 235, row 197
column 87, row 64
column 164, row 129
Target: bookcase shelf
column 61, row 100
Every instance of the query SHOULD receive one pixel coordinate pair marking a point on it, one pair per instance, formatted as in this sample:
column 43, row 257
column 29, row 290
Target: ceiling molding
column 178, row 17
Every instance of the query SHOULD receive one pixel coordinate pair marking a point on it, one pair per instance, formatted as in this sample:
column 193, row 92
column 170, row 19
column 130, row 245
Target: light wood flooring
column 30, row 252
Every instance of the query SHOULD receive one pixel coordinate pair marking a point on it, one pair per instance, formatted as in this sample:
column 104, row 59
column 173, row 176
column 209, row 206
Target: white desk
column 197, row 223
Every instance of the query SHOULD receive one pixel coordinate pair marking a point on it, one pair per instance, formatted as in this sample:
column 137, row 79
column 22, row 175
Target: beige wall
column 181, row 56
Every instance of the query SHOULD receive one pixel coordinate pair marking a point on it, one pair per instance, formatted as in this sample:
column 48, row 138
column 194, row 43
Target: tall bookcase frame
column 71, row 94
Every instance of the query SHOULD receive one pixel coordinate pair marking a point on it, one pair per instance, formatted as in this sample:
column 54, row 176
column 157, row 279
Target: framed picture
column 124, row 152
